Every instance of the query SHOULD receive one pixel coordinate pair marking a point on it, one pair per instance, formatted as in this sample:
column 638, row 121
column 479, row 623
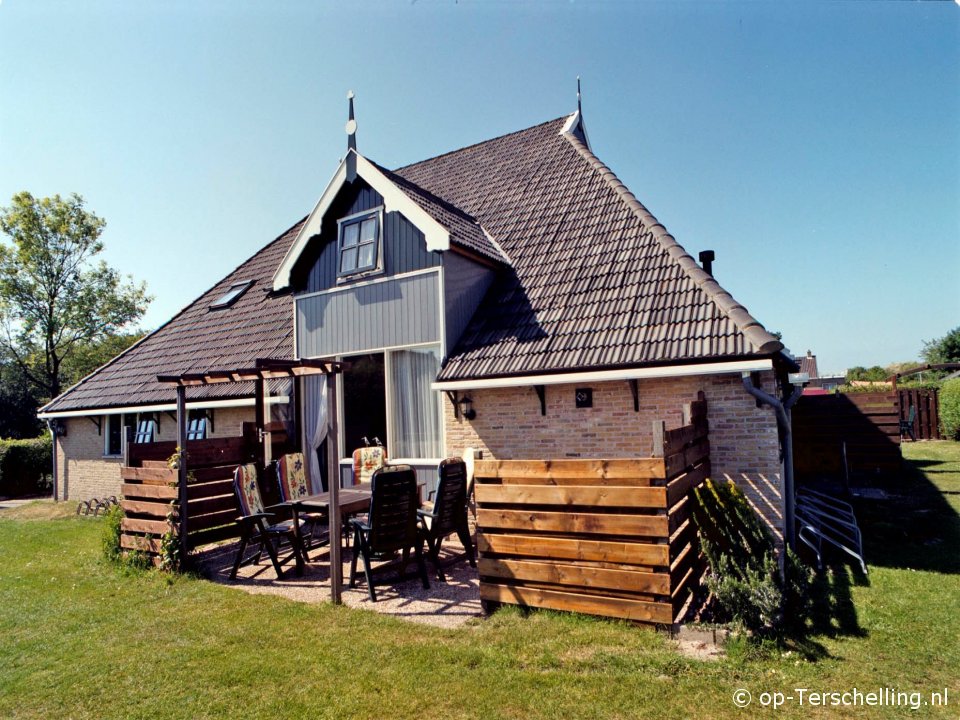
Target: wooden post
column 333, row 487
column 182, row 466
column 659, row 428
column 259, row 415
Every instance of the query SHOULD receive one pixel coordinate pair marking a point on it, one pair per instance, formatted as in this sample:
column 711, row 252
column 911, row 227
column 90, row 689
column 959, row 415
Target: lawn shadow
column 832, row 612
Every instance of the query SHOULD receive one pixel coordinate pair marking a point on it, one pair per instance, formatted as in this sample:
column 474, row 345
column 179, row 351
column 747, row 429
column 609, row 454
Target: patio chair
column 391, row 526
column 906, row 426
column 253, row 525
column 448, row 513
column 292, row 481
column 366, row 461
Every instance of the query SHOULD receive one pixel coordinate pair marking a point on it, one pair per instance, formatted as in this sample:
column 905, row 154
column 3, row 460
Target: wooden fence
column 602, row 537
column 926, row 424
column 854, row 435
column 150, row 492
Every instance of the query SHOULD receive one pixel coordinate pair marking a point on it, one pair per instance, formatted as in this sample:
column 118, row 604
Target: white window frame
column 388, row 404
column 358, row 219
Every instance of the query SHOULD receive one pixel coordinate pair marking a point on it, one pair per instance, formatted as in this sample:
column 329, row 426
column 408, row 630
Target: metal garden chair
column 391, row 526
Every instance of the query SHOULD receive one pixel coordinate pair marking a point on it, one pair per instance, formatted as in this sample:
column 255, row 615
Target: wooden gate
column 602, row 537
column 926, row 423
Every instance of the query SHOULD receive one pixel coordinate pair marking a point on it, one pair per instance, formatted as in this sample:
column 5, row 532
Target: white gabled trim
column 436, row 235
column 667, row 371
column 571, row 124
column 164, row 407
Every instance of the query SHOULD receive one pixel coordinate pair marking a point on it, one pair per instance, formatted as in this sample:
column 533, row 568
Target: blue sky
column 814, row 146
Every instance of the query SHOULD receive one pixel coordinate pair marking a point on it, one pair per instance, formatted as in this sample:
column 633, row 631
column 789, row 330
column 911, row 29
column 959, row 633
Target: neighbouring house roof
column 258, row 325
column 588, row 279
column 808, row 364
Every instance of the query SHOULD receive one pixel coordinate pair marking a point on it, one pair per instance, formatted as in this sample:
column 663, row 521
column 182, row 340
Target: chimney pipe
column 706, row 258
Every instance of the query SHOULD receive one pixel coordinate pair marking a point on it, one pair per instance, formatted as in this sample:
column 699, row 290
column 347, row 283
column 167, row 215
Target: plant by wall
column 170, row 543
column 110, row 540
column 26, row 466
column 744, row 577
column 950, row 408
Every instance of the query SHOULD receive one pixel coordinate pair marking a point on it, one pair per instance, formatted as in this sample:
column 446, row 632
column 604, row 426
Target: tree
column 943, row 350
column 871, row 374
column 55, row 297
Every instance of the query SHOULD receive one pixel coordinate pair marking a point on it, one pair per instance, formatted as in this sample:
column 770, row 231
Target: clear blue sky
column 814, row 146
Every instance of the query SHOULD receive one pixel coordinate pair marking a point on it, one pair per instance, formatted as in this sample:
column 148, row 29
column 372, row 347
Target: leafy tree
column 943, row 350
column 873, row 374
column 18, row 403
column 55, row 297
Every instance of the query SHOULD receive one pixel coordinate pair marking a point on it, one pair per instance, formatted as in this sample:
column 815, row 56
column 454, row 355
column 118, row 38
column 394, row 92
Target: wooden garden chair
column 906, row 426
column 448, row 513
column 292, row 481
column 391, row 526
column 254, row 526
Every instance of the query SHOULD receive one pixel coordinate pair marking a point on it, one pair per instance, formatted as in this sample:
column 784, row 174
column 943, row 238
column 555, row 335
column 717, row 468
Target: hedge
column 949, row 400
column 26, row 467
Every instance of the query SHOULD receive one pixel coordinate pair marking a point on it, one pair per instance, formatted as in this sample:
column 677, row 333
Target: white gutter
column 667, row 371
column 165, row 407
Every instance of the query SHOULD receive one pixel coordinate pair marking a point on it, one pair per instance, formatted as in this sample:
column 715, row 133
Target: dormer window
column 232, row 294
column 359, row 244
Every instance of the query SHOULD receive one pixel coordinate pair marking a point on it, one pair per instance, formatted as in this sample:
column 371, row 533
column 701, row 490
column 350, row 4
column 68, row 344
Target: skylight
column 231, row 295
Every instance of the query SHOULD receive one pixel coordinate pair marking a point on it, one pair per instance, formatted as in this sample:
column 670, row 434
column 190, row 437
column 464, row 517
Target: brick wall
column 83, row 470
column 743, row 438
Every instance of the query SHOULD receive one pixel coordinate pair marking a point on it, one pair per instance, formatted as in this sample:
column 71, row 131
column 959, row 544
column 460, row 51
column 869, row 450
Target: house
column 511, row 297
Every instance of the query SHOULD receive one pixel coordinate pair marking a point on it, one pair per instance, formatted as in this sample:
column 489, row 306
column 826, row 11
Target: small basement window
column 359, row 244
column 231, row 295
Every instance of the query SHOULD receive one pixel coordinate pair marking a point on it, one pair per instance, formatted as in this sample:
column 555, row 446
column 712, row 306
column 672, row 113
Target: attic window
column 231, row 295
column 359, row 243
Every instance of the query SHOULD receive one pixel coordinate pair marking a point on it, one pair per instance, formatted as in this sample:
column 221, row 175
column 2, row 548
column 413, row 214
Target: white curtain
column 415, row 408
column 315, row 426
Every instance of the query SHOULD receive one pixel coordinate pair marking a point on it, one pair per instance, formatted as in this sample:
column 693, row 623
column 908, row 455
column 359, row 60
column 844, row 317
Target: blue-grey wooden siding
column 404, row 248
column 396, row 312
column 464, row 285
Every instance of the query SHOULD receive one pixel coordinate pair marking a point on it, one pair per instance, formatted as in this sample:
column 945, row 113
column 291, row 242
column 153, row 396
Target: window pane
column 367, row 255
column 350, row 235
column 417, row 425
column 348, row 260
column 368, row 230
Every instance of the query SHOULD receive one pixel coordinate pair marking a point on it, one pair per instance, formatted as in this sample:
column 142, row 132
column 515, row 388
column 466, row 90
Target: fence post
column 659, row 429
column 182, row 465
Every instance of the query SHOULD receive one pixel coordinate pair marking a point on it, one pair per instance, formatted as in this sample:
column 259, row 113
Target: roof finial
column 351, row 127
column 579, row 110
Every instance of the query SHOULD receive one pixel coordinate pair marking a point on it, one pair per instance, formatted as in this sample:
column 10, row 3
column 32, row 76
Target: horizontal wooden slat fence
column 602, row 537
column 150, row 492
column 847, row 434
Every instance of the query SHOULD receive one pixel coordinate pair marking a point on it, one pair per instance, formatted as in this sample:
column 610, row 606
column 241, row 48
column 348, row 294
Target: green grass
column 81, row 639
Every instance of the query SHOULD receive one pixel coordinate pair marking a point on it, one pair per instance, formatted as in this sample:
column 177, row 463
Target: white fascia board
column 571, row 124
column 311, row 227
column 667, row 371
column 436, row 235
column 163, row 407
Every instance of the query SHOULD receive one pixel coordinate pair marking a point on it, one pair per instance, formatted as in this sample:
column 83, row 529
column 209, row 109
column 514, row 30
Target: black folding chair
column 449, row 512
column 391, row 526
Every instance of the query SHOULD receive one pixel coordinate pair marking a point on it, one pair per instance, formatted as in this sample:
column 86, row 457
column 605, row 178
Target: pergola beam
column 265, row 369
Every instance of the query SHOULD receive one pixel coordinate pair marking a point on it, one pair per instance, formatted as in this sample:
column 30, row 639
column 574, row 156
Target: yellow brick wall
column 83, row 470
column 743, row 438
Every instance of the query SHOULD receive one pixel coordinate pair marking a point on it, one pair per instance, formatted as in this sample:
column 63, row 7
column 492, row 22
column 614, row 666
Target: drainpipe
column 782, row 410
column 53, row 445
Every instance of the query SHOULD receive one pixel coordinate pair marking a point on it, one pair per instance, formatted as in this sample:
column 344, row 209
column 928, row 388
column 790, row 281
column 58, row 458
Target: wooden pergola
column 266, row 369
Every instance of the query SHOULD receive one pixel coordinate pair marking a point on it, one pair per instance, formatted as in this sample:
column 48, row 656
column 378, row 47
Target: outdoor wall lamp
column 466, row 407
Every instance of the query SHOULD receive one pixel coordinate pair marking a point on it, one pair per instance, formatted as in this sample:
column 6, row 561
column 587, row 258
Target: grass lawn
column 81, row 639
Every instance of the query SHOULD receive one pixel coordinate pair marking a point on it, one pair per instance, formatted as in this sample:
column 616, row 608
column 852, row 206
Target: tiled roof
column 590, row 279
column 808, row 364
column 595, row 280
column 465, row 230
column 258, row 325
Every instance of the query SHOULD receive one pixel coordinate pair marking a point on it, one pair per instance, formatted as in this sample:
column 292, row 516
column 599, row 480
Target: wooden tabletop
column 351, row 500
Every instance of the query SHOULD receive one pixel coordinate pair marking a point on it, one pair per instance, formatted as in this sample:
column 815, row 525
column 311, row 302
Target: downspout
column 782, row 410
column 53, row 445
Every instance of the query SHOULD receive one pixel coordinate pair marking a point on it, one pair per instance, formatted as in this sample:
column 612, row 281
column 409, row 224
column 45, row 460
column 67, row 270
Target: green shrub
column 744, row 577
column 950, row 409
column 110, row 540
column 26, row 466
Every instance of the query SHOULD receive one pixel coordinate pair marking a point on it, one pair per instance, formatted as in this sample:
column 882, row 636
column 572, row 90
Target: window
column 113, row 437
column 359, row 248
column 231, row 295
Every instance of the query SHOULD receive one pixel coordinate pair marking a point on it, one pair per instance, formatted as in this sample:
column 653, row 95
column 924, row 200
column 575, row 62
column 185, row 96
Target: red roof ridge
column 752, row 329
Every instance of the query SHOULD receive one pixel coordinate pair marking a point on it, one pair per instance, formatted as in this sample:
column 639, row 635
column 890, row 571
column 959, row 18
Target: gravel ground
column 448, row 604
